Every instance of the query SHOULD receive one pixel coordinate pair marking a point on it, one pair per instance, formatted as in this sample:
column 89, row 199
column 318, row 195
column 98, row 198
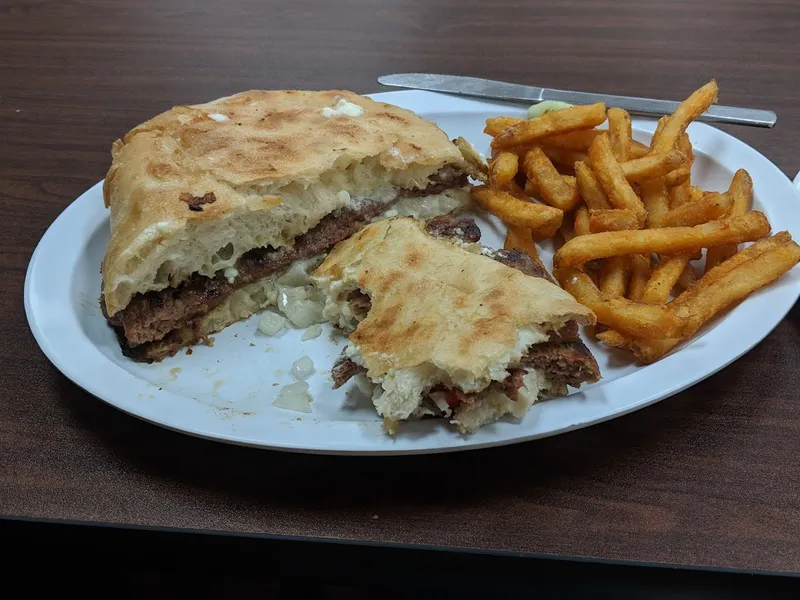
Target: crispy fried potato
column 687, row 111
column 655, row 199
column 614, row 274
column 567, row 229
column 630, row 318
column 551, row 123
column 708, row 208
column 498, row 124
column 696, row 193
column 677, row 177
column 542, row 219
column 562, row 156
column 476, row 164
column 741, row 190
column 589, row 188
column 685, row 146
column 652, row 166
column 668, row 240
column 638, row 149
column 575, row 140
column 688, row 277
column 553, row 188
column 732, row 281
column 657, row 133
column 582, row 226
column 615, row 219
column 680, row 194
column 640, row 275
column 612, row 179
column 664, row 278
column 502, row 169
column 615, row 339
column 619, row 132
column 520, row 238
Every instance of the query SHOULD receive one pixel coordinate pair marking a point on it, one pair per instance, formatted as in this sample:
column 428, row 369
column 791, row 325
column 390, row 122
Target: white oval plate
column 226, row 392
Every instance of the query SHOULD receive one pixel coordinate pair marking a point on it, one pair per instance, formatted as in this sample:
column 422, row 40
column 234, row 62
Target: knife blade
column 499, row 90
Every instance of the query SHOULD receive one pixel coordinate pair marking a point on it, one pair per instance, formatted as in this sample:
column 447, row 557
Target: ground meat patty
column 360, row 304
column 343, row 370
column 563, row 363
column 462, row 228
column 522, row 261
column 150, row 317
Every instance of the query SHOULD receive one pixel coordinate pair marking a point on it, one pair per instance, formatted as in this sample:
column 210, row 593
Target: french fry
column 708, row 208
column 680, row 194
column 687, row 111
column 638, row 149
column 652, row 166
column 615, row 219
column 567, row 229
column 664, row 278
column 619, row 132
column 542, row 219
column 551, row 123
column 582, row 226
column 562, row 156
column 668, row 240
column 732, row 281
column 685, row 146
column 612, row 179
column 657, row 133
column 614, row 274
column 575, row 140
column 677, row 177
column 741, row 190
column 520, row 238
column 655, row 199
column 640, row 275
column 696, row 193
column 688, row 277
column 553, row 188
column 589, row 188
column 630, row 318
column 502, row 169
column 615, row 339
column 497, row 124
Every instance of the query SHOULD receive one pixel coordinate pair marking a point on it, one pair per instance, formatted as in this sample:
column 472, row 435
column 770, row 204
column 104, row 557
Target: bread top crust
column 254, row 169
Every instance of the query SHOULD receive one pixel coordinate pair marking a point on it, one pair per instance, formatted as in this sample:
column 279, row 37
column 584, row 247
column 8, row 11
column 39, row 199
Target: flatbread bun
column 194, row 188
column 440, row 312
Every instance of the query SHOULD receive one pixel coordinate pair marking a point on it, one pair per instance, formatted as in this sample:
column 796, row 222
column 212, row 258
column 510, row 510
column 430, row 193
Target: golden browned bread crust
column 197, row 186
column 438, row 309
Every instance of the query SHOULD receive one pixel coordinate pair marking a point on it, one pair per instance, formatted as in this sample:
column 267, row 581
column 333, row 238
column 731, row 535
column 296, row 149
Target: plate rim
column 455, row 105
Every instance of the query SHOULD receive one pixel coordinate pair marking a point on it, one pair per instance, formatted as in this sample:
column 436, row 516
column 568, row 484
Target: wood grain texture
column 706, row 478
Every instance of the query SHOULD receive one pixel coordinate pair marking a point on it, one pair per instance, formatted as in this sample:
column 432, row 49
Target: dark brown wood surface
column 708, row 477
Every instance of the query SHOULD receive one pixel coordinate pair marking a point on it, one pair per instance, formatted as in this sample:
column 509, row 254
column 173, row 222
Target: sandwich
column 440, row 326
column 219, row 210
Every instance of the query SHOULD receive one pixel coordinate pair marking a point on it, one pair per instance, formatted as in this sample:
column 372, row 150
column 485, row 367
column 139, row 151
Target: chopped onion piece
column 271, row 324
column 295, row 397
column 302, row 305
column 302, row 368
column 312, row 332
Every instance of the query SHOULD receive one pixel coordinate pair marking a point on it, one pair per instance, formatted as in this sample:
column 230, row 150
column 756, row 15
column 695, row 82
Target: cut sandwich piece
column 221, row 209
column 445, row 327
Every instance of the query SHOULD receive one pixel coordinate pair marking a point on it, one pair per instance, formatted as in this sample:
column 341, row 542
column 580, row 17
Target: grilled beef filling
column 156, row 325
column 564, row 359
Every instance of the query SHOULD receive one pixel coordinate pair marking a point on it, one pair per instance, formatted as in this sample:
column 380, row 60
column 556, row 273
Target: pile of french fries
column 632, row 224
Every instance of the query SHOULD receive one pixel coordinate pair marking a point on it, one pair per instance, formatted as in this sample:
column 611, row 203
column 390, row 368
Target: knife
column 498, row 90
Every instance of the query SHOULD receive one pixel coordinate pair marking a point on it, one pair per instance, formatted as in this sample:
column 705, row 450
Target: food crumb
column 374, row 516
column 252, row 345
column 189, row 352
column 274, row 384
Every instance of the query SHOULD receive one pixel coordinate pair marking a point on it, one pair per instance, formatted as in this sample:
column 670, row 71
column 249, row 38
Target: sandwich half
column 221, row 209
column 444, row 327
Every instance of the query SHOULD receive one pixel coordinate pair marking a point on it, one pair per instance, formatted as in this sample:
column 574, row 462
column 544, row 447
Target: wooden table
column 707, row 478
